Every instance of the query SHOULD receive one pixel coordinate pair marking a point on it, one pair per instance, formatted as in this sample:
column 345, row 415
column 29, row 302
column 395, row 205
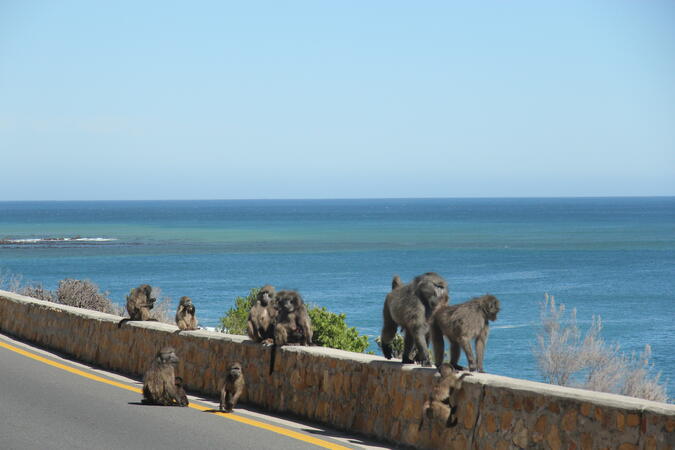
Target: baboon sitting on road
column 233, row 387
column 411, row 306
column 185, row 314
column 461, row 324
column 159, row 382
column 180, row 392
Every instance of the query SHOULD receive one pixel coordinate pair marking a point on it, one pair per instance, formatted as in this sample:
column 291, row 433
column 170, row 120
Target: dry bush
column 84, row 294
column 568, row 357
column 163, row 310
column 37, row 291
column 10, row 281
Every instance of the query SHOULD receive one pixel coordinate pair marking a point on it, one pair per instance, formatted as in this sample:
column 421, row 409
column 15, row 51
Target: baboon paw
column 452, row 421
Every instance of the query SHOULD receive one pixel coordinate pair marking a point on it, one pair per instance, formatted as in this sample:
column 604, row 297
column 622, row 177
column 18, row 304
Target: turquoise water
column 613, row 257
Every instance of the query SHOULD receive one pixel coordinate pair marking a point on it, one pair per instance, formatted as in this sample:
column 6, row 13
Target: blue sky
column 203, row 100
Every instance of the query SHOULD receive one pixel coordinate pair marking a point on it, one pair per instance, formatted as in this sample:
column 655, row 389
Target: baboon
column 411, row 307
column 159, row 382
column 139, row 303
column 261, row 316
column 461, row 324
column 180, row 392
column 442, row 403
column 185, row 314
column 292, row 325
column 233, row 387
column 396, row 282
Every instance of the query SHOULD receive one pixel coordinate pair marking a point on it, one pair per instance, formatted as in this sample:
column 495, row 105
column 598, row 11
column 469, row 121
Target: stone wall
column 361, row 393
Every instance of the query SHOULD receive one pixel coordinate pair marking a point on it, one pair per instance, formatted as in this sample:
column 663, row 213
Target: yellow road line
column 231, row 416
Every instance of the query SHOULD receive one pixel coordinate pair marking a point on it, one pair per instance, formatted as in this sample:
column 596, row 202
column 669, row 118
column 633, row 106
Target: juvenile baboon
column 461, row 324
column 139, row 303
column 185, row 314
column 180, row 392
column 260, row 318
column 442, row 403
column 292, row 325
column 233, row 387
column 411, row 306
column 159, row 382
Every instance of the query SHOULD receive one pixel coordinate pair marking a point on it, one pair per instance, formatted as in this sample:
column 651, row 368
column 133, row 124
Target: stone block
column 632, row 420
column 553, row 438
column 569, row 421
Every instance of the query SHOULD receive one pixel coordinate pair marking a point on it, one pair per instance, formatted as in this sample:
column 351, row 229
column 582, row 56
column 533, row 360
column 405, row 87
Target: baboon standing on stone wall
column 461, row 324
column 411, row 306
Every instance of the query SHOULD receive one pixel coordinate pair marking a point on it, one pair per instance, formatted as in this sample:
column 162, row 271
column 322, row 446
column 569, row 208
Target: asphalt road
column 46, row 407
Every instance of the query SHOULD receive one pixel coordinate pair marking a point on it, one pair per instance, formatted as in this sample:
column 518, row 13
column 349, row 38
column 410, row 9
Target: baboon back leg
column 466, row 346
column 421, row 338
column 454, row 355
column 388, row 333
column 452, row 417
column 234, row 399
column 228, row 401
column 439, row 345
column 408, row 342
column 480, row 350
column 222, row 400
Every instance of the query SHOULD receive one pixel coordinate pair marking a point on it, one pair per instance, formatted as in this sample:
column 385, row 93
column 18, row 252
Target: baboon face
column 491, row 307
column 289, row 301
column 167, row 355
column 432, row 288
column 185, row 302
column 266, row 295
column 147, row 291
column 445, row 370
column 179, row 382
column 234, row 370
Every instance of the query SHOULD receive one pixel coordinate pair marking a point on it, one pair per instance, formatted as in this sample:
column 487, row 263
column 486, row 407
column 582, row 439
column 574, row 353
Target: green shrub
column 329, row 329
column 396, row 346
column 235, row 319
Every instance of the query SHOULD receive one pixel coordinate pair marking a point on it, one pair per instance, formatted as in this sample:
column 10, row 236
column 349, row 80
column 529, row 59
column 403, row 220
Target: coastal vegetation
column 568, row 356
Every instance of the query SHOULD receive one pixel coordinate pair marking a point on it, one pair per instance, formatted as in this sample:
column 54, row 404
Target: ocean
column 607, row 257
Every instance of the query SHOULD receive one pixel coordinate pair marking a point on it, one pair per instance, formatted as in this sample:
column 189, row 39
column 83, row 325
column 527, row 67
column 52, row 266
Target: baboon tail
column 122, row 322
column 273, row 358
